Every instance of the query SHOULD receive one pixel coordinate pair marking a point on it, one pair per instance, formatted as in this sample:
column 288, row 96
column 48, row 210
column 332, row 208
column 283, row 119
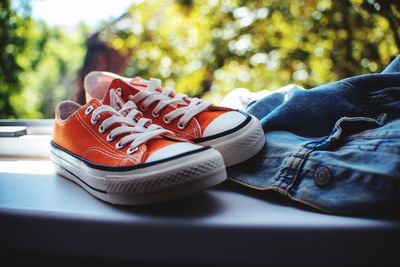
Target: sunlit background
column 203, row 48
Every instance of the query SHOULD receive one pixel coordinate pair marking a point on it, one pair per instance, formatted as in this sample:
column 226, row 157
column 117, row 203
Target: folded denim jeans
column 335, row 147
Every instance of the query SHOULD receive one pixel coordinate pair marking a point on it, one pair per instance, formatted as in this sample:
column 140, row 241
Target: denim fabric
column 335, row 147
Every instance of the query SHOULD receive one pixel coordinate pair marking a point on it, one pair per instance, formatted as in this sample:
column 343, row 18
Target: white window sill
column 34, row 145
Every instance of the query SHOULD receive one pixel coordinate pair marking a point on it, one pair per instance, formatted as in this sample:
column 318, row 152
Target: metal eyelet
column 155, row 115
column 131, row 150
column 95, row 120
column 166, row 120
column 119, row 91
column 180, row 126
column 88, row 110
column 118, row 145
column 101, row 129
column 143, row 108
column 109, row 138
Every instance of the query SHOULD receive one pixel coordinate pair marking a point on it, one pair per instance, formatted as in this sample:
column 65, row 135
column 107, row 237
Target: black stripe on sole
column 88, row 185
column 208, row 138
column 127, row 168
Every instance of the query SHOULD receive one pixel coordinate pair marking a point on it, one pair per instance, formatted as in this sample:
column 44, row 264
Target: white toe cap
column 224, row 123
column 172, row 150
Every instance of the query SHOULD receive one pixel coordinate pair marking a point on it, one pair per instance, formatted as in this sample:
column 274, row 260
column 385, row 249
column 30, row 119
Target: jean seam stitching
column 302, row 155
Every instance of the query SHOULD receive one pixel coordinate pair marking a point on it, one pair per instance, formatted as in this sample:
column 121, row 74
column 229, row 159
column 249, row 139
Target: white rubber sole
column 240, row 145
column 151, row 184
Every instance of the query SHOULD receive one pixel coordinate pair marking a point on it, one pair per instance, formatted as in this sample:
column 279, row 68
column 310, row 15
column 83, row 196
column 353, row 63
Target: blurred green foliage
column 38, row 63
column 207, row 48
column 12, row 43
column 203, row 48
column 51, row 62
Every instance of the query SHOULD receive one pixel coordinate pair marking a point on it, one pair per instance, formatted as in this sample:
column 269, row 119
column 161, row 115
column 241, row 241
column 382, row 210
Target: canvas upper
column 100, row 135
column 193, row 118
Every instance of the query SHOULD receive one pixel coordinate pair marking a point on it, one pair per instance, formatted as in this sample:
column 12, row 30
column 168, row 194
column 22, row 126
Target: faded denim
column 335, row 147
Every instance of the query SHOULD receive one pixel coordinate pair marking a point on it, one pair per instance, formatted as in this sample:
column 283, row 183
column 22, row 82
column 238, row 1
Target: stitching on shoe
column 103, row 151
column 100, row 141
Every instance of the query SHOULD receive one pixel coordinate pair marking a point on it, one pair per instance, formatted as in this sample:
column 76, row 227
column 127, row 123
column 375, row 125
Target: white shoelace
column 138, row 131
column 151, row 95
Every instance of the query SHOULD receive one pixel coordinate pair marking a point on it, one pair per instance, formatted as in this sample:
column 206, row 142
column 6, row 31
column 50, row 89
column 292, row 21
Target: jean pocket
column 347, row 127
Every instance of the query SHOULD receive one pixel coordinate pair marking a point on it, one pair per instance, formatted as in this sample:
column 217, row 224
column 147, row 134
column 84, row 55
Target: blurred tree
column 38, row 64
column 51, row 65
column 13, row 41
column 206, row 48
column 203, row 48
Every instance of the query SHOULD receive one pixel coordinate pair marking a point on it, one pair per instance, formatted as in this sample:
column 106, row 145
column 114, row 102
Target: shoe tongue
column 142, row 84
column 139, row 82
column 126, row 91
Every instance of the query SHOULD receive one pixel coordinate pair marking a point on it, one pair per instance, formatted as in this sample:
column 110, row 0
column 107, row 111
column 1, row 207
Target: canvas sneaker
column 235, row 134
column 122, row 158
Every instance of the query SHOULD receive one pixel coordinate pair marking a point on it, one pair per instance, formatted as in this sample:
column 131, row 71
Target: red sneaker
column 122, row 158
column 236, row 135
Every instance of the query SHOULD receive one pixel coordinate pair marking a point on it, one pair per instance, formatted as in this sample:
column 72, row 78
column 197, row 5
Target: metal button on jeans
column 322, row 176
